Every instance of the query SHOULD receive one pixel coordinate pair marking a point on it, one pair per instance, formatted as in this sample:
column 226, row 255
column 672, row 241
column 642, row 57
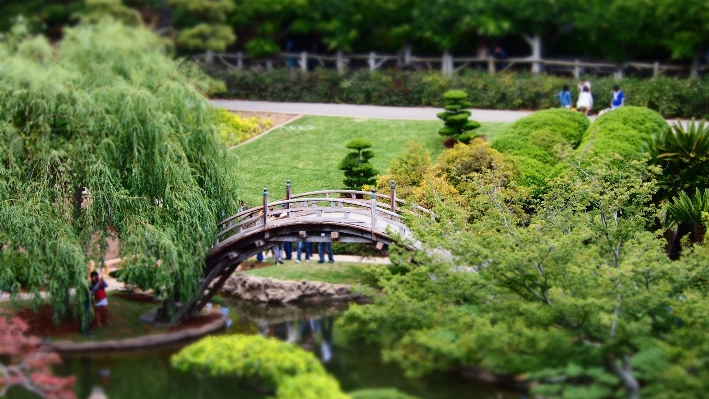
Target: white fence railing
column 447, row 63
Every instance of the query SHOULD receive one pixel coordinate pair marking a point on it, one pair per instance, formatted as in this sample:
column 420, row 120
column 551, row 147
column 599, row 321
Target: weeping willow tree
column 100, row 135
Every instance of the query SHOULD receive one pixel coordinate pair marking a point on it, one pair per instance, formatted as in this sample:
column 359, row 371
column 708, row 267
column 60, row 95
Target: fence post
column 340, row 62
column 577, row 70
column 269, row 64
column 288, row 193
column 619, row 73
column 374, row 209
column 407, row 55
column 444, row 63
column 392, row 196
column 491, row 65
column 265, row 207
column 304, row 61
column 372, row 62
column 210, row 56
column 656, row 70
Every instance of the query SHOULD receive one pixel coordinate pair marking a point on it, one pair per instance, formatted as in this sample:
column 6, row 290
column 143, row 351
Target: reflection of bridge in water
column 318, row 216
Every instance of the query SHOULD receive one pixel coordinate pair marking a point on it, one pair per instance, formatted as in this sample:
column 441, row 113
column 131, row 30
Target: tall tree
column 105, row 133
column 201, row 24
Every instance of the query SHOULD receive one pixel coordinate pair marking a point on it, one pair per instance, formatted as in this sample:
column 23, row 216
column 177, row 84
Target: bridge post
column 374, row 209
column 392, row 196
column 265, row 207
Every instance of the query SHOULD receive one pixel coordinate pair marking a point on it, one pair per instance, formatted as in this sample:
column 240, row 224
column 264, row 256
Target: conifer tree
column 356, row 167
column 455, row 116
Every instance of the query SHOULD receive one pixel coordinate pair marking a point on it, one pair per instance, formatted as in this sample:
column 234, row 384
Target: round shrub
column 570, row 124
column 251, row 358
column 645, row 121
column 532, row 172
column 310, row 386
column 623, row 131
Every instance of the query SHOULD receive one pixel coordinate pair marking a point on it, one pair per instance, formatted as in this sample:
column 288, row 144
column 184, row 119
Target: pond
column 313, row 327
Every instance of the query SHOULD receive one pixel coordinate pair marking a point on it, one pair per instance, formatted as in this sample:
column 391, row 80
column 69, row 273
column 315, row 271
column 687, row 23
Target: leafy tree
column 574, row 297
column 683, row 155
column 202, row 25
column 105, row 135
column 455, row 116
column 356, row 167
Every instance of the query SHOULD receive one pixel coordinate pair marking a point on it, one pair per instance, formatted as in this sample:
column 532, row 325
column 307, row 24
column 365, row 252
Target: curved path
column 319, row 216
column 362, row 111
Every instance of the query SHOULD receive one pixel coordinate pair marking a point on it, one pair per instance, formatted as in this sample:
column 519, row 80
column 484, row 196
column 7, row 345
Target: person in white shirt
column 585, row 101
column 584, row 83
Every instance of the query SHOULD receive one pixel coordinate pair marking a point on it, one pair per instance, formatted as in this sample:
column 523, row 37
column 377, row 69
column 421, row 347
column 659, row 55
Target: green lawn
column 308, row 150
column 339, row 272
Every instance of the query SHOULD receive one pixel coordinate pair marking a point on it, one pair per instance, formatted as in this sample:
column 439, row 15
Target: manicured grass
column 308, row 150
column 339, row 272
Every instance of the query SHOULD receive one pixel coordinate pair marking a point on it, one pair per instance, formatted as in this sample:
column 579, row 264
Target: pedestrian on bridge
column 321, row 251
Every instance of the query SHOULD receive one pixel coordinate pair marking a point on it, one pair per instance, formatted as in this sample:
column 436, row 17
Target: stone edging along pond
column 144, row 342
column 260, row 289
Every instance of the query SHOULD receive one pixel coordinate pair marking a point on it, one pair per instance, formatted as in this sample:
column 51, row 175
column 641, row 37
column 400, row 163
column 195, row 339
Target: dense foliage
column 273, row 365
column 455, row 117
column 105, row 135
column 670, row 97
column 661, row 28
column 569, row 288
column 356, row 167
column 683, row 155
column 539, row 141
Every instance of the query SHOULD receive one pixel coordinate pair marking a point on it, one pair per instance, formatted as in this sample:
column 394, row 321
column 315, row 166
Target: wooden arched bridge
column 318, row 216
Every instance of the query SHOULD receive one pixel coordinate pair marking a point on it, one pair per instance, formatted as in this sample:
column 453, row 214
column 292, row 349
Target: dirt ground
column 124, row 310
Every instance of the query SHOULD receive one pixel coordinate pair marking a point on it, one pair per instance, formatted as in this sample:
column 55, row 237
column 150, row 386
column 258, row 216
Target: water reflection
column 313, row 327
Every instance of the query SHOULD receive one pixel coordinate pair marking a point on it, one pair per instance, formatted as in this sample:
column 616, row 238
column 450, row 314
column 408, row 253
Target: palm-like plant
column 683, row 155
column 690, row 210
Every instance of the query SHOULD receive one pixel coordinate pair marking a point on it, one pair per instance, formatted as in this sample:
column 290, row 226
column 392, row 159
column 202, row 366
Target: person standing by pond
column 618, row 98
column 321, row 251
column 564, row 97
column 98, row 288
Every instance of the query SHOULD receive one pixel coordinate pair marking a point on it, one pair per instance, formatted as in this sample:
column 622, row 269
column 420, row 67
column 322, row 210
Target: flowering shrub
column 27, row 364
column 234, row 129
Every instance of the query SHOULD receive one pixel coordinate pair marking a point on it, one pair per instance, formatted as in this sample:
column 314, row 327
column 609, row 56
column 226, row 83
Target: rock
column 342, row 289
column 275, row 295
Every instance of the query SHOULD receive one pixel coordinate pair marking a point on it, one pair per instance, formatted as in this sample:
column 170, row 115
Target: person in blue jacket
column 564, row 97
column 618, row 98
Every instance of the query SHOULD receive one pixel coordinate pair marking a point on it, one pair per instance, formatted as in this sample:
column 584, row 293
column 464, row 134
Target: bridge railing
column 342, row 206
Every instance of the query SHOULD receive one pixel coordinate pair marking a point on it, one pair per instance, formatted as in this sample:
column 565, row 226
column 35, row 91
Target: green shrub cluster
column 671, row 97
column 380, row 393
column 537, row 141
column 271, row 364
column 624, row 131
column 235, row 129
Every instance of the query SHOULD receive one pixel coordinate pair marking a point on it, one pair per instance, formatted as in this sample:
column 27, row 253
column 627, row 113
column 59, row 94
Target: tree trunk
column 700, row 232
column 165, row 18
column 535, row 42
column 625, row 374
column 695, row 63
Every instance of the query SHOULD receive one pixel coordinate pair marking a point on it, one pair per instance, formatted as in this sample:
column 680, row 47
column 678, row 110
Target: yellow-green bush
column 380, row 393
column 234, row 129
column 270, row 364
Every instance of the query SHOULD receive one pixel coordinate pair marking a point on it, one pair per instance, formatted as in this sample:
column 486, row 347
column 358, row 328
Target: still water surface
column 148, row 375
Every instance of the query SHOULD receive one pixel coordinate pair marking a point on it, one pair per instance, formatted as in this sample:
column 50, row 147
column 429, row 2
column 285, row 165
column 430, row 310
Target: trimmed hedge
column 624, row 131
column 533, row 142
column 671, row 97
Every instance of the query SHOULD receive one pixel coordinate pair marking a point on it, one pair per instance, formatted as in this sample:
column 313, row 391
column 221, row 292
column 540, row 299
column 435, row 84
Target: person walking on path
column 98, row 288
column 306, row 247
column 321, row 251
column 585, row 101
column 564, row 97
column 618, row 98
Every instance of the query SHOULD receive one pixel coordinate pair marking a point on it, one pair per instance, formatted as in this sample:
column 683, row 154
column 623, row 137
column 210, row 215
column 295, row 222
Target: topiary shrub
column 380, row 393
column 537, row 141
column 625, row 131
column 268, row 363
column 356, row 167
column 455, row 117
column 646, row 122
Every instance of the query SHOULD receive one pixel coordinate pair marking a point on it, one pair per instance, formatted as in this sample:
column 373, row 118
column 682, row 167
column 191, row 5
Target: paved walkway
column 363, row 111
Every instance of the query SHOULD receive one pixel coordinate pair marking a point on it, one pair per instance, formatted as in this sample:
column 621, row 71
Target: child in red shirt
column 98, row 288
